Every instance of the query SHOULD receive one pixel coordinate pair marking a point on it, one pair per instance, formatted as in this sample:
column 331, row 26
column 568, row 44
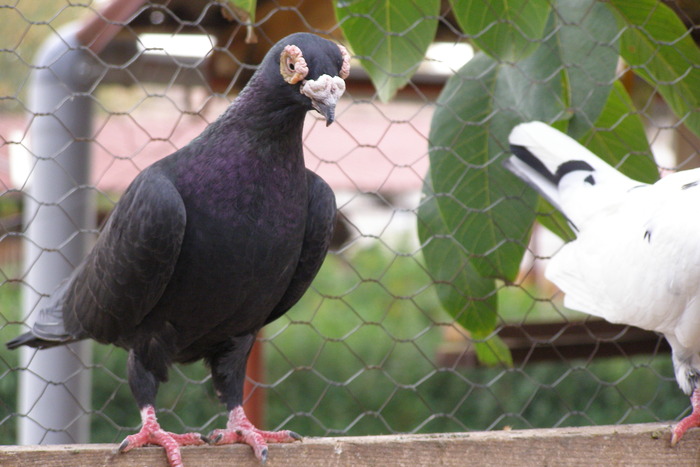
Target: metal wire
column 369, row 349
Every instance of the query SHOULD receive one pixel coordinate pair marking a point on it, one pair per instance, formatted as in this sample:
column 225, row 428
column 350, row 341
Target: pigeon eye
column 292, row 65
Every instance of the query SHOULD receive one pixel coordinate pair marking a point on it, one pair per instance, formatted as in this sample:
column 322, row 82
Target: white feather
column 636, row 258
column 575, row 197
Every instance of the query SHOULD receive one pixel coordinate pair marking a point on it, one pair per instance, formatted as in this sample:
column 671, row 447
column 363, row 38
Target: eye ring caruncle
column 292, row 64
column 345, row 68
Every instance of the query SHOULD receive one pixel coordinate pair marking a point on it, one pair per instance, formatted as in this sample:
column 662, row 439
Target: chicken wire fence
column 371, row 348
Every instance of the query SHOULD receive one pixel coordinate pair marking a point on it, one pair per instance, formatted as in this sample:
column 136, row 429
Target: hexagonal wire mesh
column 369, row 349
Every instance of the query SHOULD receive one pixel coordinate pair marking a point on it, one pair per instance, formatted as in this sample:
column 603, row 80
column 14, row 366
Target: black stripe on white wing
column 564, row 172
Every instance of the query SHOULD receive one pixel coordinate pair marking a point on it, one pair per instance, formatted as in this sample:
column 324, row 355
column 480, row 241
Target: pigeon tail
column 48, row 331
column 30, row 340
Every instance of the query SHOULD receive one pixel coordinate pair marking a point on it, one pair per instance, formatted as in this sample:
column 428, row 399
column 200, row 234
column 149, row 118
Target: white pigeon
column 636, row 256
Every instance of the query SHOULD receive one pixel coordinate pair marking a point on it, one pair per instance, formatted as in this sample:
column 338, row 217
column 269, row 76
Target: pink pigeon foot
column 240, row 430
column 152, row 433
column 688, row 422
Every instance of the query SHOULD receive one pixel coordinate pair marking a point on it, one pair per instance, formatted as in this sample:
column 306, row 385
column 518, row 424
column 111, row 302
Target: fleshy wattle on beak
column 324, row 93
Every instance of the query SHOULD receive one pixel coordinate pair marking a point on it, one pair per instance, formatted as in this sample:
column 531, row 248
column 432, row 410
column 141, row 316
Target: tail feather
column 31, row 340
column 47, row 331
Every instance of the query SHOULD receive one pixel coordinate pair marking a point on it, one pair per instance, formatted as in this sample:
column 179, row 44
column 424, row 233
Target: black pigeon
column 209, row 244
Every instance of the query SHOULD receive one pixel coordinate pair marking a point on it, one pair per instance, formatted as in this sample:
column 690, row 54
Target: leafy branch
column 549, row 60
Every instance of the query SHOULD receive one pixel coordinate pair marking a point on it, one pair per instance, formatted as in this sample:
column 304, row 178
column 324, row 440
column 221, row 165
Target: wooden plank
column 628, row 445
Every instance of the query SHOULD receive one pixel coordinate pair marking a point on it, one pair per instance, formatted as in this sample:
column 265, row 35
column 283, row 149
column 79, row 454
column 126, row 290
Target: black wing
column 320, row 221
column 132, row 262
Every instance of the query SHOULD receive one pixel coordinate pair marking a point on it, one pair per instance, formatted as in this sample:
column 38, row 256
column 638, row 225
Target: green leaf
column 554, row 221
column 485, row 208
column 493, row 351
column 469, row 298
column 463, row 293
column 245, row 10
column 503, row 29
column 620, row 139
column 389, row 37
column 660, row 49
column 586, row 43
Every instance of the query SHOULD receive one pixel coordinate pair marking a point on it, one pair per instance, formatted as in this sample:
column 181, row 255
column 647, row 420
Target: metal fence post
column 59, row 215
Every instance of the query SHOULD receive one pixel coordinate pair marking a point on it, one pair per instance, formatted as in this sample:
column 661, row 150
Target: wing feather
column 639, row 261
column 317, row 238
column 132, row 262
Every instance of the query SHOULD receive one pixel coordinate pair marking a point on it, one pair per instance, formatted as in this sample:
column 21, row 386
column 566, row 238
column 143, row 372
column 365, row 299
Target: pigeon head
column 312, row 69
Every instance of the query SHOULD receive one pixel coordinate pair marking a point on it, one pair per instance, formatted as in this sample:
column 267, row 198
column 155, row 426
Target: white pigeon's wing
column 638, row 262
column 566, row 173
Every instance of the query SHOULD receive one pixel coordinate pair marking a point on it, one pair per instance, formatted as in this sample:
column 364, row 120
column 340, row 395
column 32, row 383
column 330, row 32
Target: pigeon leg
column 152, row 433
column 690, row 421
column 228, row 375
column 144, row 386
column 240, row 430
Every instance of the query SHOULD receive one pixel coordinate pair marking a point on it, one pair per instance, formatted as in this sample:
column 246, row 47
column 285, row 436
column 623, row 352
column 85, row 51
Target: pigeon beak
column 324, row 93
column 327, row 110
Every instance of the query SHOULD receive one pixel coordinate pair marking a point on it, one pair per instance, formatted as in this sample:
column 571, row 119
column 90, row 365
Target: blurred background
column 376, row 345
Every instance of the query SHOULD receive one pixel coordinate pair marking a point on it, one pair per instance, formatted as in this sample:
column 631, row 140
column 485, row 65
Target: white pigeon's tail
column 572, row 178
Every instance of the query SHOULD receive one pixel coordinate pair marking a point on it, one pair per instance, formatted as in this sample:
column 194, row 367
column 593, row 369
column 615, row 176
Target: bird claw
column 171, row 442
column 123, row 447
column 681, row 427
column 152, row 433
column 214, row 439
column 691, row 421
column 674, row 439
column 240, row 430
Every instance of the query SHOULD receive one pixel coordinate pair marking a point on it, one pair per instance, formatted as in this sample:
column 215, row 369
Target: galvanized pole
column 59, row 218
column 59, row 215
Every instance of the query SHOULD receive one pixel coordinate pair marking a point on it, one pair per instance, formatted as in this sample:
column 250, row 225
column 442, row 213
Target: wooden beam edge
column 640, row 444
